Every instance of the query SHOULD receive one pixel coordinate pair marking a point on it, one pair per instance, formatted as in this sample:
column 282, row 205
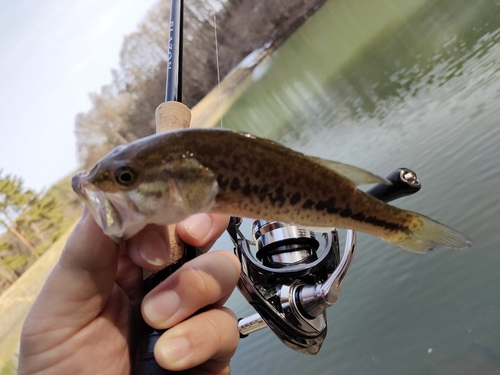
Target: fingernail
column 155, row 253
column 160, row 308
column 198, row 226
column 176, row 350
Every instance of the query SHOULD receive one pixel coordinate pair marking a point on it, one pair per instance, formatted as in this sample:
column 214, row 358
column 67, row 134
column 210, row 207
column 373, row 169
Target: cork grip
column 172, row 116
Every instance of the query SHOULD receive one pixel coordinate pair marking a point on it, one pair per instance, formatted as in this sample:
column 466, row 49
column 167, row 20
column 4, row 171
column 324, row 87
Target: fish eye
column 125, row 176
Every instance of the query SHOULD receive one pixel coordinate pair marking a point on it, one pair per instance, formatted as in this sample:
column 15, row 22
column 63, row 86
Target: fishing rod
column 170, row 115
column 290, row 281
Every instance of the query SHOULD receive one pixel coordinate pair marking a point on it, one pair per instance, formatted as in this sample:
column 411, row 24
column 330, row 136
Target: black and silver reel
column 291, row 279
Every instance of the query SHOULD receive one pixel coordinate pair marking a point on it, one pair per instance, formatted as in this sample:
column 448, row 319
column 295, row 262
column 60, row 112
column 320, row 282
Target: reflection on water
column 422, row 92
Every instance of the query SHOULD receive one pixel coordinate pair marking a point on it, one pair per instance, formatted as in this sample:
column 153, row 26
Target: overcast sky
column 53, row 53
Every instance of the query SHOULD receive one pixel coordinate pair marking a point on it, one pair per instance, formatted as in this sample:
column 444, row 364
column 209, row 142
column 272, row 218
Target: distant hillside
column 42, row 223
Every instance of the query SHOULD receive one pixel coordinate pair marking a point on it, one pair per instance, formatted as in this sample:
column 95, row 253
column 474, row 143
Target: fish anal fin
column 357, row 175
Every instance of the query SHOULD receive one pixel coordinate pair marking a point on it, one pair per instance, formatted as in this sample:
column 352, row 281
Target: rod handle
column 169, row 116
column 172, row 116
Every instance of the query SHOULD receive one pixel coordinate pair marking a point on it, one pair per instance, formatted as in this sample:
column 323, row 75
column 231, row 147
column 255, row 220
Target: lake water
column 380, row 85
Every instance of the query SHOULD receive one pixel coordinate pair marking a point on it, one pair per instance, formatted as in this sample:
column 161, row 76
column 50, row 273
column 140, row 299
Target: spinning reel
column 290, row 281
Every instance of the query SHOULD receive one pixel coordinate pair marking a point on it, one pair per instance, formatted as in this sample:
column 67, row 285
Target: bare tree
column 124, row 110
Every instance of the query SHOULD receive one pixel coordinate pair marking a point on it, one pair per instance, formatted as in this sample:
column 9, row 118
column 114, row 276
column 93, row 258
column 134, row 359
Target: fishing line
column 218, row 72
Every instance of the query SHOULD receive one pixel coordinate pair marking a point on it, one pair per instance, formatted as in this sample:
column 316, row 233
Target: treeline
column 30, row 223
column 124, row 109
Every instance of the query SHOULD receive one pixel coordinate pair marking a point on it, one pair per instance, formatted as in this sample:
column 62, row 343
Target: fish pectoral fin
column 195, row 185
column 357, row 175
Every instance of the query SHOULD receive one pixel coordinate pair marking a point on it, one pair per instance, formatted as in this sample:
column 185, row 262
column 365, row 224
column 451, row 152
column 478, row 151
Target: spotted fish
column 164, row 178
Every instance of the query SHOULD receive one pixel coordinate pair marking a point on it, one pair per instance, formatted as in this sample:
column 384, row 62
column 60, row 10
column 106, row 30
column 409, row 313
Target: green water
column 385, row 84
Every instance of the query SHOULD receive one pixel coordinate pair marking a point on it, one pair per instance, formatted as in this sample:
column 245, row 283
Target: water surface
column 381, row 85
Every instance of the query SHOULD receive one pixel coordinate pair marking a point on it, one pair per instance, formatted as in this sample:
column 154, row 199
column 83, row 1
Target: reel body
column 287, row 259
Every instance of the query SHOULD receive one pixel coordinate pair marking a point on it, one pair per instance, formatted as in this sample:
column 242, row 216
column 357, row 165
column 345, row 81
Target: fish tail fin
column 430, row 234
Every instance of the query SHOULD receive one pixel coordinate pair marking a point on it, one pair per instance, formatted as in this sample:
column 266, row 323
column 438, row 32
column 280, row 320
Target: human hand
column 84, row 319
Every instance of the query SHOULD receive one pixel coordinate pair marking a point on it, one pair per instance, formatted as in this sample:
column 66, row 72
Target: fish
column 166, row 177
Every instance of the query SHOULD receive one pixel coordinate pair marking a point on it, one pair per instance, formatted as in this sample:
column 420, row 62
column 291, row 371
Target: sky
column 53, row 53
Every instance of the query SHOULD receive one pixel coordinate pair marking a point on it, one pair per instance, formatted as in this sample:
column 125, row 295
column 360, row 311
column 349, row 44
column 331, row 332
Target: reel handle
column 403, row 181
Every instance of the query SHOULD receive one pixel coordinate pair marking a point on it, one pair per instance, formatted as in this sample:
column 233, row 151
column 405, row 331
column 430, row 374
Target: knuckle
column 202, row 285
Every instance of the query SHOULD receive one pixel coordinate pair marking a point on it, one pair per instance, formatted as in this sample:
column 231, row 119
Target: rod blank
column 173, row 91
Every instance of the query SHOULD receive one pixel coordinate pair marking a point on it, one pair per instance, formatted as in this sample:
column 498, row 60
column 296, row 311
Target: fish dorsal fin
column 357, row 175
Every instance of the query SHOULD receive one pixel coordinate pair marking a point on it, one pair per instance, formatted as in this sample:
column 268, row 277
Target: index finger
column 150, row 247
column 202, row 230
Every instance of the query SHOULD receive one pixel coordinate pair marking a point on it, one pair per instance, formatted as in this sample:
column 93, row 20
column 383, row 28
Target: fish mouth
column 77, row 183
column 109, row 209
column 82, row 179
